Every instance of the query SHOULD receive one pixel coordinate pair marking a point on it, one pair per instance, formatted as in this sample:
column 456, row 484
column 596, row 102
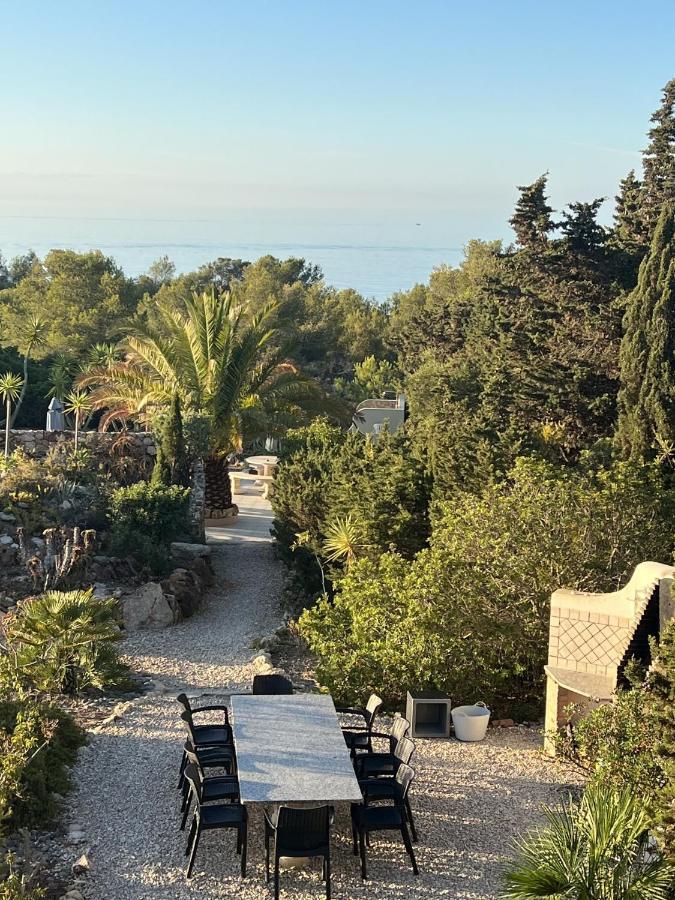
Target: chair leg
column 186, row 813
column 276, row 876
column 327, row 871
column 243, row 831
column 409, row 847
column 355, row 837
column 267, row 854
column 191, row 834
column 183, row 763
column 362, row 848
column 413, row 830
column 193, row 853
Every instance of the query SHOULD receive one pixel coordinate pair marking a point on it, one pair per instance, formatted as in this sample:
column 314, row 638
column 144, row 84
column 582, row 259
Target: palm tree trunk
column 8, row 425
column 218, row 488
column 23, row 387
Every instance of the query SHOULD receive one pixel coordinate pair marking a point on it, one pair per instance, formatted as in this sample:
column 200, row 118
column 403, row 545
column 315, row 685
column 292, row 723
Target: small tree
column 531, row 219
column 660, row 706
column 10, row 391
column 78, row 405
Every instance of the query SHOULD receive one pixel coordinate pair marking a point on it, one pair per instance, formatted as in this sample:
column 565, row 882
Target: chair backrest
column 272, row 684
column 303, row 829
column 404, row 776
column 186, row 717
column 404, row 750
column 399, row 729
column 372, row 708
column 195, row 779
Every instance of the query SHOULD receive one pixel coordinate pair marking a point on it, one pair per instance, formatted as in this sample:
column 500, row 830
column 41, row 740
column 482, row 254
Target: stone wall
column 39, row 443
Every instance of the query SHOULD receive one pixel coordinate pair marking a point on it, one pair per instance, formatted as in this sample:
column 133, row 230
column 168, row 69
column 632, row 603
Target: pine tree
column 659, row 161
column 628, row 226
column 647, row 355
column 581, row 229
column 531, row 219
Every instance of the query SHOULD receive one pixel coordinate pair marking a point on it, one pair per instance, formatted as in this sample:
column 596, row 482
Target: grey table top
column 290, row 749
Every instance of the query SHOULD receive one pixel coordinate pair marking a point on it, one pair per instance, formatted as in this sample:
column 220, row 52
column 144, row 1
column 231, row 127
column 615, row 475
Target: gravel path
column 470, row 801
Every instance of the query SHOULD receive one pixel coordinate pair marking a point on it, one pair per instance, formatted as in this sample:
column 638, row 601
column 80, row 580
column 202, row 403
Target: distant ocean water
column 375, row 258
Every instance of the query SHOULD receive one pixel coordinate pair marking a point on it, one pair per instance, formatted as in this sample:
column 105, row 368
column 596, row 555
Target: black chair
column 214, row 787
column 299, row 833
column 359, row 737
column 207, row 818
column 366, row 819
column 374, row 765
column 207, row 737
column 184, row 701
column 272, row 684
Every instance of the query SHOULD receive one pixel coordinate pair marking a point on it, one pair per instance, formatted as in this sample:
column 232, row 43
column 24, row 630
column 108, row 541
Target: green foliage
column 39, row 743
column 660, row 712
column 64, row 641
column 172, row 465
column 470, row 614
column 596, row 848
column 647, row 397
column 531, row 219
column 658, row 187
column 145, row 518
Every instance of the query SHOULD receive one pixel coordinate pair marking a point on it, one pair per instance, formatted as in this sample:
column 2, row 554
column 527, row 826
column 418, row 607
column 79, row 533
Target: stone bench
column 237, row 477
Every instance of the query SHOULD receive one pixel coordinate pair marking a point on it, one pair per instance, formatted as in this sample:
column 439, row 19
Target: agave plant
column 65, row 641
column 596, row 848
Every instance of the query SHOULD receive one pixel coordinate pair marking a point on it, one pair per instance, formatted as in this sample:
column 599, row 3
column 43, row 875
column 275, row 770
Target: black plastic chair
column 184, row 701
column 207, row 818
column 272, row 684
column 214, row 787
column 375, row 765
column 360, row 737
column 206, row 737
column 299, row 833
column 366, row 819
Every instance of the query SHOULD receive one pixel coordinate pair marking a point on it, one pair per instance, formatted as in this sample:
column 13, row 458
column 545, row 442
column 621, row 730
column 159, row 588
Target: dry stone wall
column 39, row 443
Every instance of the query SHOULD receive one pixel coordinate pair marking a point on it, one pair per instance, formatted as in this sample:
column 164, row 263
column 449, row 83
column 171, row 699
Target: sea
column 375, row 255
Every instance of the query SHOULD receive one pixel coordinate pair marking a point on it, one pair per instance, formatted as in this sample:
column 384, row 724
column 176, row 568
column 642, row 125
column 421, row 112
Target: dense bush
column 470, row 614
column 145, row 518
column 660, row 709
column 39, row 743
column 327, row 477
column 64, row 641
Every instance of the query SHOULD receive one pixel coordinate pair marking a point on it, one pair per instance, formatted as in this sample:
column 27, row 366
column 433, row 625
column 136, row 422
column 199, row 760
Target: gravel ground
column 470, row 800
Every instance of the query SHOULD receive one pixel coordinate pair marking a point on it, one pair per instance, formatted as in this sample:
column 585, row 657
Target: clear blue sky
column 194, row 109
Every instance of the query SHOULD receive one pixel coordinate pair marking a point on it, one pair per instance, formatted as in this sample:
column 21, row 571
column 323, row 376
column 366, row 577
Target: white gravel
column 470, row 800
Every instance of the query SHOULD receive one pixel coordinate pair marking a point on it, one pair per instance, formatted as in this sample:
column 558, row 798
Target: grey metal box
column 428, row 713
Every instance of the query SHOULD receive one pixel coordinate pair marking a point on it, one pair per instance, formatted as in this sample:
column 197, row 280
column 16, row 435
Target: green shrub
column 470, row 614
column 145, row 518
column 660, row 709
column 38, row 744
column 597, row 848
column 64, row 641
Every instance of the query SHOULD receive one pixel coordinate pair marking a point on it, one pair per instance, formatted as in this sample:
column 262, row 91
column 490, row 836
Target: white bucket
column 470, row 722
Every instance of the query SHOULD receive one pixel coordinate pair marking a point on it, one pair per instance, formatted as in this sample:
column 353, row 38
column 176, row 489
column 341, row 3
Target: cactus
column 65, row 549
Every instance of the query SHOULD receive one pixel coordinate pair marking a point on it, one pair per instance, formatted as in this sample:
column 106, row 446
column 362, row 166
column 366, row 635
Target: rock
column 75, row 834
column 73, row 894
column 186, row 553
column 101, row 590
column 6, row 540
column 186, row 590
column 503, row 723
column 201, row 568
column 148, row 608
column 38, row 543
column 7, row 517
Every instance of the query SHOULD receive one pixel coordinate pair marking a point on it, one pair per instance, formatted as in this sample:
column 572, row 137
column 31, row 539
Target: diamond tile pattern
column 591, row 642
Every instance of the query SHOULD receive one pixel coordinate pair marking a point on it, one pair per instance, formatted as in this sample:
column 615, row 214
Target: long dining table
column 290, row 749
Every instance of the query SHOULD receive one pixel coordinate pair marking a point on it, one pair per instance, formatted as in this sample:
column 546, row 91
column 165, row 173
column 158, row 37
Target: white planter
column 470, row 722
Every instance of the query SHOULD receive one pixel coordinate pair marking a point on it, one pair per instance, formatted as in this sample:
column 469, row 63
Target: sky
column 436, row 110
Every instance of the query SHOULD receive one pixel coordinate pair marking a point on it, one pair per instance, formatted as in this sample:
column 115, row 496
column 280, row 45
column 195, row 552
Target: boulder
column 186, row 554
column 202, row 570
column 185, row 589
column 148, row 608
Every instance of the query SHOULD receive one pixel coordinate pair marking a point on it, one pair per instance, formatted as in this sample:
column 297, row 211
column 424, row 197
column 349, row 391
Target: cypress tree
column 647, row 355
column 628, row 226
column 174, row 445
column 661, row 712
column 161, row 471
column 531, row 219
column 659, row 161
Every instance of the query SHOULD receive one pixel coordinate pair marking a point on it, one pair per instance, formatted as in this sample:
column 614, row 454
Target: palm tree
column 32, row 336
column 219, row 358
column 10, row 391
column 597, row 848
column 77, row 404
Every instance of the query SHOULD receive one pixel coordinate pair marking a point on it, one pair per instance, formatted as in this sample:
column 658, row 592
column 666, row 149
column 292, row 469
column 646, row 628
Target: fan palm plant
column 344, row 540
column 65, row 640
column 597, row 848
column 10, row 391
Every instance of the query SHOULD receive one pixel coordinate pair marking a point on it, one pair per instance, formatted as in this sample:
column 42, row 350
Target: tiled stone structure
column 592, row 636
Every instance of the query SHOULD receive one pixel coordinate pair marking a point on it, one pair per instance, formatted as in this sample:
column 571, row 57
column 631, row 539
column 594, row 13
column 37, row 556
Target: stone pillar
column 551, row 715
